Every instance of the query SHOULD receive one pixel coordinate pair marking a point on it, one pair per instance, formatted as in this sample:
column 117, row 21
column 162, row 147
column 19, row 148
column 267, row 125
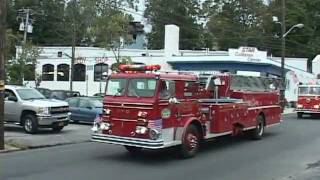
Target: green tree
column 184, row 14
column 17, row 69
column 235, row 23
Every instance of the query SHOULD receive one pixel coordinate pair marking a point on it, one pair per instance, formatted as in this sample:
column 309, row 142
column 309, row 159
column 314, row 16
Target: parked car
column 32, row 110
column 63, row 94
column 44, row 91
column 85, row 109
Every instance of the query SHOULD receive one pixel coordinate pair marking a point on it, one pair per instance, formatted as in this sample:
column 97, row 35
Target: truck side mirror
column 174, row 100
column 12, row 98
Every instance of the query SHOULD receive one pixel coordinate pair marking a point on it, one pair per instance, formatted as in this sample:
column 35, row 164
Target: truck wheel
column 299, row 114
column 133, row 150
column 57, row 128
column 190, row 142
column 30, row 124
column 257, row 133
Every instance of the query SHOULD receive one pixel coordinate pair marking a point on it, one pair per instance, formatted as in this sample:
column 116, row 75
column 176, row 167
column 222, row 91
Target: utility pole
column 3, row 17
column 283, row 52
column 26, row 26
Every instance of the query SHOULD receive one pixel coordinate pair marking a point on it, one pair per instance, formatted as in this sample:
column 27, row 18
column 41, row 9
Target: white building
column 54, row 64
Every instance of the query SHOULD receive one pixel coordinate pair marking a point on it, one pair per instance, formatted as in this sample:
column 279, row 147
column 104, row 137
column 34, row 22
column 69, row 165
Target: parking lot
column 73, row 133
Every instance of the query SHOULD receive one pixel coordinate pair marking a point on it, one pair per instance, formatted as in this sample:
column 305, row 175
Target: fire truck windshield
column 309, row 90
column 116, row 87
column 137, row 87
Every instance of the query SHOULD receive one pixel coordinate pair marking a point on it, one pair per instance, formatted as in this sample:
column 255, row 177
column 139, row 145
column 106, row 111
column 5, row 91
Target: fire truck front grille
column 145, row 143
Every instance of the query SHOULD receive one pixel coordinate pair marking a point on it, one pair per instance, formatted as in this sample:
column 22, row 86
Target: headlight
column 154, row 134
column 299, row 106
column 141, row 130
column 316, row 106
column 44, row 111
column 165, row 113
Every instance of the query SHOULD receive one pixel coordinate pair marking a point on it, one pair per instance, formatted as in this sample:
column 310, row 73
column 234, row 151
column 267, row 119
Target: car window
column 97, row 103
column 8, row 93
column 73, row 102
column 84, row 103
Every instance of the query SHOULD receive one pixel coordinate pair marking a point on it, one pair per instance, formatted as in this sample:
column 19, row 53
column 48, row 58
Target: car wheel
column 57, row 128
column 257, row 133
column 190, row 142
column 30, row 124
column 133, row 150
column 299, row 115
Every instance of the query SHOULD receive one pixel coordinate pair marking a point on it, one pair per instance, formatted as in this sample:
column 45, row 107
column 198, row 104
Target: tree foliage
column 181, row 13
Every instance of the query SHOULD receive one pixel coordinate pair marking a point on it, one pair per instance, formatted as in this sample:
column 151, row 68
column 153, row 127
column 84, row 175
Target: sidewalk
column 16, row 138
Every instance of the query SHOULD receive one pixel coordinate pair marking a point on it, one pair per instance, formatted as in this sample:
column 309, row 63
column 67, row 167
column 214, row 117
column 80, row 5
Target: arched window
column 48, row 72
column 99, row 69
column 79, row 72
column 29, row 72
column 63, row 72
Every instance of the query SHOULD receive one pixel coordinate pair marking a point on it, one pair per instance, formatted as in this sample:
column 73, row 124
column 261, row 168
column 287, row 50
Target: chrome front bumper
column 127, row 141
column 309, row 111
column 50, row 120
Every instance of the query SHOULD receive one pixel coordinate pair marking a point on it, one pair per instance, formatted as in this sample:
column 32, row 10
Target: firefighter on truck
column 308, row 100
column 146, row 109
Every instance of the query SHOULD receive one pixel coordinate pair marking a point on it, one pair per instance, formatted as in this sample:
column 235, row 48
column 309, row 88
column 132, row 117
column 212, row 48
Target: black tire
column 190, row 142
column 57, row 128
column 299, row 115
column 30, row 123
column 257, row 133
column 133, row 150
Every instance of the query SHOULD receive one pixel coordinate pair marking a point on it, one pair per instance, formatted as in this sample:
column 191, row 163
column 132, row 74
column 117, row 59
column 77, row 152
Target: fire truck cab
column 147, row 109
column 308, row 100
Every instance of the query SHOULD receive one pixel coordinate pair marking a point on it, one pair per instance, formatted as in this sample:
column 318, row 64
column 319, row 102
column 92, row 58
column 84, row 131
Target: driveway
column 73, row 133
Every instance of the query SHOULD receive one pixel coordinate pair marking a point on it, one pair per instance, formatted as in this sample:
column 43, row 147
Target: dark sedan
column 85, row 109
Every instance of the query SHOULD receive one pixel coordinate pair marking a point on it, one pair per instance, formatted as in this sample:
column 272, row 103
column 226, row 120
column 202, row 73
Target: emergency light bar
column 154, row 67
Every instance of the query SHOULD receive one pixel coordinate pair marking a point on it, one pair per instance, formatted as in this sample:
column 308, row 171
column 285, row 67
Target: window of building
column 79, row 72
column 48, row 72
column 29, row 73
column 63, row 72
column 99, row 69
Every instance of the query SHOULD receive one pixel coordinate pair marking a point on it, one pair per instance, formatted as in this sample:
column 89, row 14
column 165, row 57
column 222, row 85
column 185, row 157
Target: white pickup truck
column 32, row 110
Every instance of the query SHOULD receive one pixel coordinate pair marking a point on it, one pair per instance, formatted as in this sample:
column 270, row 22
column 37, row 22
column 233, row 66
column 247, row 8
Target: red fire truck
column 308, row 100
column 144, row 108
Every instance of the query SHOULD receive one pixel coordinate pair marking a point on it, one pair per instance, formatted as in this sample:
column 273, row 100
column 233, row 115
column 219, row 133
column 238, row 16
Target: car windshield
column 142, row 87
column 29, row 94
column 309, row 90
column 116, row 87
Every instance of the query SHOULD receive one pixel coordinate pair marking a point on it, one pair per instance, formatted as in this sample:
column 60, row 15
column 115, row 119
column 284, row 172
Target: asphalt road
column 285, row 151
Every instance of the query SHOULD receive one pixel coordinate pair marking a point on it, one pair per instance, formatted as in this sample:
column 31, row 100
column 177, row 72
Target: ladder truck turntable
column 145, row 108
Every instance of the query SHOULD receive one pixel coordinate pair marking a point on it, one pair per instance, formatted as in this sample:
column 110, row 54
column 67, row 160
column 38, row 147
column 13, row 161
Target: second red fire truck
column 308, row 100
column 144, row 108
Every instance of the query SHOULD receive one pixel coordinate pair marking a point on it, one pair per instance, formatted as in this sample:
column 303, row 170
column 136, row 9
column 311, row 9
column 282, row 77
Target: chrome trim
column 213, row 135
column 137, row 142
column 118, row 119
column 128, row 107
column 263, row 107
column 307, row 111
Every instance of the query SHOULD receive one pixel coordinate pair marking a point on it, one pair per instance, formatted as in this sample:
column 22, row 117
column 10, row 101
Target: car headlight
column 44, row 111
column 316, row 106
column 299, row 106
column 105, row 126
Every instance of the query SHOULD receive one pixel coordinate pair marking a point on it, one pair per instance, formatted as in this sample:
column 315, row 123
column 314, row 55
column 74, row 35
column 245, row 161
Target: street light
column 283, row 54
column 295, row 26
